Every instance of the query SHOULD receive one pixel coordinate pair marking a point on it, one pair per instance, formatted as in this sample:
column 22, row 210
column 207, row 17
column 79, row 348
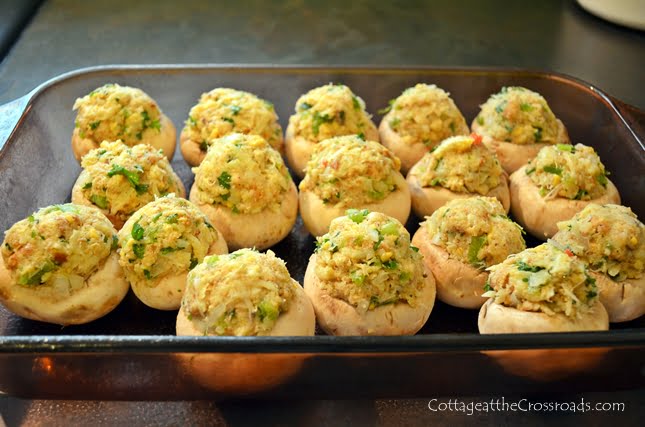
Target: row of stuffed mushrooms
column 246, row 198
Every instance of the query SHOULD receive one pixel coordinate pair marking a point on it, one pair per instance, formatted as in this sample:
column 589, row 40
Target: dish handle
column 11, row 114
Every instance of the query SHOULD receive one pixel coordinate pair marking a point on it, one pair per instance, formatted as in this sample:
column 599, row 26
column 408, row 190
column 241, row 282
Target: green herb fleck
column 480, row 120
column 100, row 201
column 224, row 180
column 566, row 147
column 137, row 231
column 526, row 107
column 155, row 217
column 390, row 228
column 36, row 278
column 390, row 264
column 356, row 215
column 361, row 136
column 476, row 243
column 320, row 119
column 529, row 171
column 394, row 123
column 236, row 109
column 115, row 241
column 580, row 194
column 388, row 108
column 87, row 185
column 304, row 106
column 268, row 311
column 522, row 266
column 356, row 103
column 552, row 169
column 172, row 219
column 487, row 287
column 602, row 179
column 139, row 250
column 357, row 277
column 132, row 177
column 147, row 274
column 95, row 124
column 537, row 134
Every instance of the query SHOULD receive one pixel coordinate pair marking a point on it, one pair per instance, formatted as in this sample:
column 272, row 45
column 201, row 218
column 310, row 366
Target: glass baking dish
column 132, row 353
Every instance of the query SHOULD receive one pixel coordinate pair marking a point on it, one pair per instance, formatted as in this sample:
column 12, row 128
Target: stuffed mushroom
column 113, row 112
column 516, row 123
column 60, row 265
column 559, row 182
column 541, row 289
column 418, row 120
column 349, row 172
column 460, row 167
column 460, row 240
column 611, row 241
column 245, row 293
column 366, row 279
column 323, row 113
column 160, row 244
column 245, row 189
column 223, row 111
column 118, row 179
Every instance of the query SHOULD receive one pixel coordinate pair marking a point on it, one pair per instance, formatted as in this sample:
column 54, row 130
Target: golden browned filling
column 518, row 115
column 58, row 246
column 122, row 179
column 461, row 164
column 350, row 171
column 609, row 238
column 169, row 236
column 475, row 230
column 569, row 171
column 113, row 112
column 425, row 114
column 222, row 111
column 244, row 174
column 328, row 111
column 366, row 260
column 543, row 279
column 242, row 293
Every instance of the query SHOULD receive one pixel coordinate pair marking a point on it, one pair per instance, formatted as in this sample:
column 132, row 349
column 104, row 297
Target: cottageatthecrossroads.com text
column 522, row 405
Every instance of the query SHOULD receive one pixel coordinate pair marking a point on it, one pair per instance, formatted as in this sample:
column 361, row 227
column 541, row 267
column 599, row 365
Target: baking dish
column 132, row 353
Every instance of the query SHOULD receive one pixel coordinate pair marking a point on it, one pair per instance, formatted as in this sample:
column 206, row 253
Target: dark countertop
column 549, row 35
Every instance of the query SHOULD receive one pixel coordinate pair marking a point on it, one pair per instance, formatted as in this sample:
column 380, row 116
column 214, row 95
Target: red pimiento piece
column 569, row 252
column 477, row 138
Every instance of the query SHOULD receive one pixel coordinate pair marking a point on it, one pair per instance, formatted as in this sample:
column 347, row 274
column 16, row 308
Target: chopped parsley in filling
column 461, row 164
column 223, row 111
column 350, row 171
column 425, row 114
column 572, row 172
column 168, row 236
column 519, row 116
column 366, row 260
column 244, row 174
column 609, row 238
column 475, row 230
column 60, row 245
column 543, row 279
column 329, row 111
column 122, row 179
column 242, row 293
column 114, row 112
